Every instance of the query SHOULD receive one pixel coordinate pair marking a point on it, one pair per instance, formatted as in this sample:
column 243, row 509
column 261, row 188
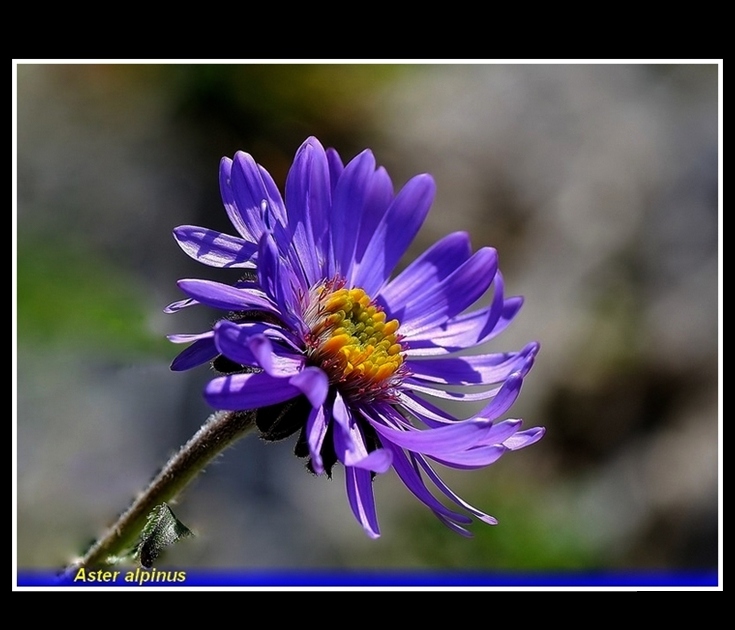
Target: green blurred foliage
column 70, row 298
column 528, row 537
column 268, row 109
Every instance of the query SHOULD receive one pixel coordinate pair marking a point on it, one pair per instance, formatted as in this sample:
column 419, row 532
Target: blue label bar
column 172, row 578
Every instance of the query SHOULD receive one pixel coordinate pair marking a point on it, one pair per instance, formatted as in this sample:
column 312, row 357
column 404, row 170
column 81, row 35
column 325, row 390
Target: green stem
column 221, row 430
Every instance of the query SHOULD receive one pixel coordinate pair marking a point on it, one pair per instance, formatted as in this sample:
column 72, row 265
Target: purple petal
column 360, row 496
column 505, row 398
column 501, row 431
column 274, row 278
column 201, row 351
column 473, row 458
column 525, row 438
column 248, row 391
column 490, row 520
column 189, row 337
column 379, row 197
column 455, row 293
column 378, row 461
column 471, row 369
column 414, row 386
column 214, row 248
column 236, row 343
column 348, row 201
column 432, row 416
column 228, row 199
column 412, row 480
column 341, row 414
column 262, row 350
column 253, row 190
column 442, row 440
column 343, row 434
column 394, row 233
column 179, row 304
column 429, row 414
column 423, row 274
column 268, row 269
column 458, row 529
column 232, row 341
column 225, row 297
column 275, row 202
column 238, row 335
column 313, row 383
column 468, row 329
column 351, row 449
column 309, row 201
column 335, row 166
column 349, row 442
column 316, row 429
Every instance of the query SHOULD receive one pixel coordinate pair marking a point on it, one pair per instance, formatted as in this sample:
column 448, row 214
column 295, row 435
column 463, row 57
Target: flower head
column 321, row 341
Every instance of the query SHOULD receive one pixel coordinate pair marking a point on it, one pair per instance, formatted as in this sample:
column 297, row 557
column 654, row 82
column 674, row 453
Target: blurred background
column 598, row 185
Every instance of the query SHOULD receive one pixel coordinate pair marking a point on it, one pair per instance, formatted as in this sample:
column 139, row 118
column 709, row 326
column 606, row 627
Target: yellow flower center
column 352, row 342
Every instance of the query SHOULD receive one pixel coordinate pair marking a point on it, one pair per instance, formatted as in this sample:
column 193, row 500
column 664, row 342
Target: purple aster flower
column 321, row 341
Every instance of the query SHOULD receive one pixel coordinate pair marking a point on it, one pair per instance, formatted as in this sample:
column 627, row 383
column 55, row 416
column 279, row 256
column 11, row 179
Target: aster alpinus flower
column 320, row 340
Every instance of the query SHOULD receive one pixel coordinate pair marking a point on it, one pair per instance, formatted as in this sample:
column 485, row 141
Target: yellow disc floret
column 352, row 342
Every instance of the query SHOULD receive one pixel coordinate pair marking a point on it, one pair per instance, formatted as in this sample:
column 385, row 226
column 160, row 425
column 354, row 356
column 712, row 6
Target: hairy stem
column 221, row 430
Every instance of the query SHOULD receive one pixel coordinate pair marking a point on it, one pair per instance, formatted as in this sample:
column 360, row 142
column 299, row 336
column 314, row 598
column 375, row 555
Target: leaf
column 161, row 530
